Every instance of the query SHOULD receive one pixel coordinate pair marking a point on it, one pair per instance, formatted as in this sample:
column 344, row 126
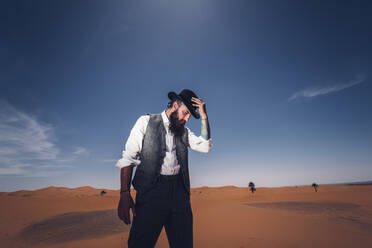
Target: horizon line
column 354, row 183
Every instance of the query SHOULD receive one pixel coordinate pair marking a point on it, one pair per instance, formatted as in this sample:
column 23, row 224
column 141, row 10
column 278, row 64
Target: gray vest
column 153, row 153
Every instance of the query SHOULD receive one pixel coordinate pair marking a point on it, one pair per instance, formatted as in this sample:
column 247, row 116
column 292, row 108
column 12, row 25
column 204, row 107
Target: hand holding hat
column 191, row 101
column 201, row 107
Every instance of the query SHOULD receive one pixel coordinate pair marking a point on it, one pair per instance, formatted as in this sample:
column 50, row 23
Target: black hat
column 185, row 96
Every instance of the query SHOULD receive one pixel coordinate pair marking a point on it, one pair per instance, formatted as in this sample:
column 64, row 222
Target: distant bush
column 251, row 186
column 315, row 186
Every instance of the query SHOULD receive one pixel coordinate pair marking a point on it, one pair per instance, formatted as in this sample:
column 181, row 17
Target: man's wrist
column 124, row 190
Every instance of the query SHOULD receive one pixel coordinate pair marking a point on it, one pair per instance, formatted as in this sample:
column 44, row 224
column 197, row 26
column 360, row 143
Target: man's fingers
column 127, row 218
column 198, row 103
column 124, row 216
column 121, row 217
column 199, row 100
column 120, row 214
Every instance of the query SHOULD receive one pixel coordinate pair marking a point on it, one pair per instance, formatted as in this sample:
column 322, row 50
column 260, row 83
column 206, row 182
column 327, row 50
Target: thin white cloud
column 57, row 166
column 25, row 143
column 22, row 132
column 313, row 92
column 12, row 171
column 44, row 173
column 109, row 160
column 81, row 151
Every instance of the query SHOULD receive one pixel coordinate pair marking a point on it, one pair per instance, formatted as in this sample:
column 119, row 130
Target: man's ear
column 176, row 105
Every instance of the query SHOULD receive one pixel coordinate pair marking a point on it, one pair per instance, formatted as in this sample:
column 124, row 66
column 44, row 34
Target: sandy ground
column 335, row 216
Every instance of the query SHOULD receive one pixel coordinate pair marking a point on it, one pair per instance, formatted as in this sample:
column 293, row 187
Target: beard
column 175, row 125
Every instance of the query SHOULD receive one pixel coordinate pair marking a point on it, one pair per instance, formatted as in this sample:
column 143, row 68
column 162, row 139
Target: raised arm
column 201, row 143
column 205, row 129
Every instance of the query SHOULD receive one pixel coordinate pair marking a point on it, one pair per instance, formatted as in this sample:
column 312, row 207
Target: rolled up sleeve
column 198, row 143
column 133, row 146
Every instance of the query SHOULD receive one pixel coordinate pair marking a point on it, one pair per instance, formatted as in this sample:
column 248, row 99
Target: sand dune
column 336, row 216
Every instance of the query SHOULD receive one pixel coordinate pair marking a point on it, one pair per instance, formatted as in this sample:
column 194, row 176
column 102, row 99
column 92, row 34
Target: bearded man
column 158, row 145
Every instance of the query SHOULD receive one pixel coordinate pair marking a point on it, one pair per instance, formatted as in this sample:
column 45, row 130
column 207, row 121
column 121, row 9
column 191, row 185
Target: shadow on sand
column 73, row 226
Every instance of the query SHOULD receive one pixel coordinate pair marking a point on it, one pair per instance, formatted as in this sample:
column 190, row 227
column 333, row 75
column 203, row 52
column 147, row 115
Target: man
column 158, row 146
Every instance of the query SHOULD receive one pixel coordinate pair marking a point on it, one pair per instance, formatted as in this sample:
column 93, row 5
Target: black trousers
column 166, row 204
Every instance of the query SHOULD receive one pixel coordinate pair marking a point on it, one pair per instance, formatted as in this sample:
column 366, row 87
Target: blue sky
column 287, row 86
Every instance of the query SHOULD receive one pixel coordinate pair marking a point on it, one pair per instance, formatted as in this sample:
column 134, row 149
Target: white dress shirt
column 170, row 166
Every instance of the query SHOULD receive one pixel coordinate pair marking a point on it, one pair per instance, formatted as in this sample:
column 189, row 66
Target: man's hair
column 170, row 104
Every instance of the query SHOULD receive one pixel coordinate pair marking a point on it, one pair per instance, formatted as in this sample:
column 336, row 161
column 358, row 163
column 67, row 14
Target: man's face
column 183, row 113
column 178, row 118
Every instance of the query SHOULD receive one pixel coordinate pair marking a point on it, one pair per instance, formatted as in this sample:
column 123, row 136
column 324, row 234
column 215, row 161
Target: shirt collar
column 165, row 118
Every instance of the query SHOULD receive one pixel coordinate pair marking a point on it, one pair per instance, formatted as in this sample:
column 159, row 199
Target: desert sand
column 335, row 216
